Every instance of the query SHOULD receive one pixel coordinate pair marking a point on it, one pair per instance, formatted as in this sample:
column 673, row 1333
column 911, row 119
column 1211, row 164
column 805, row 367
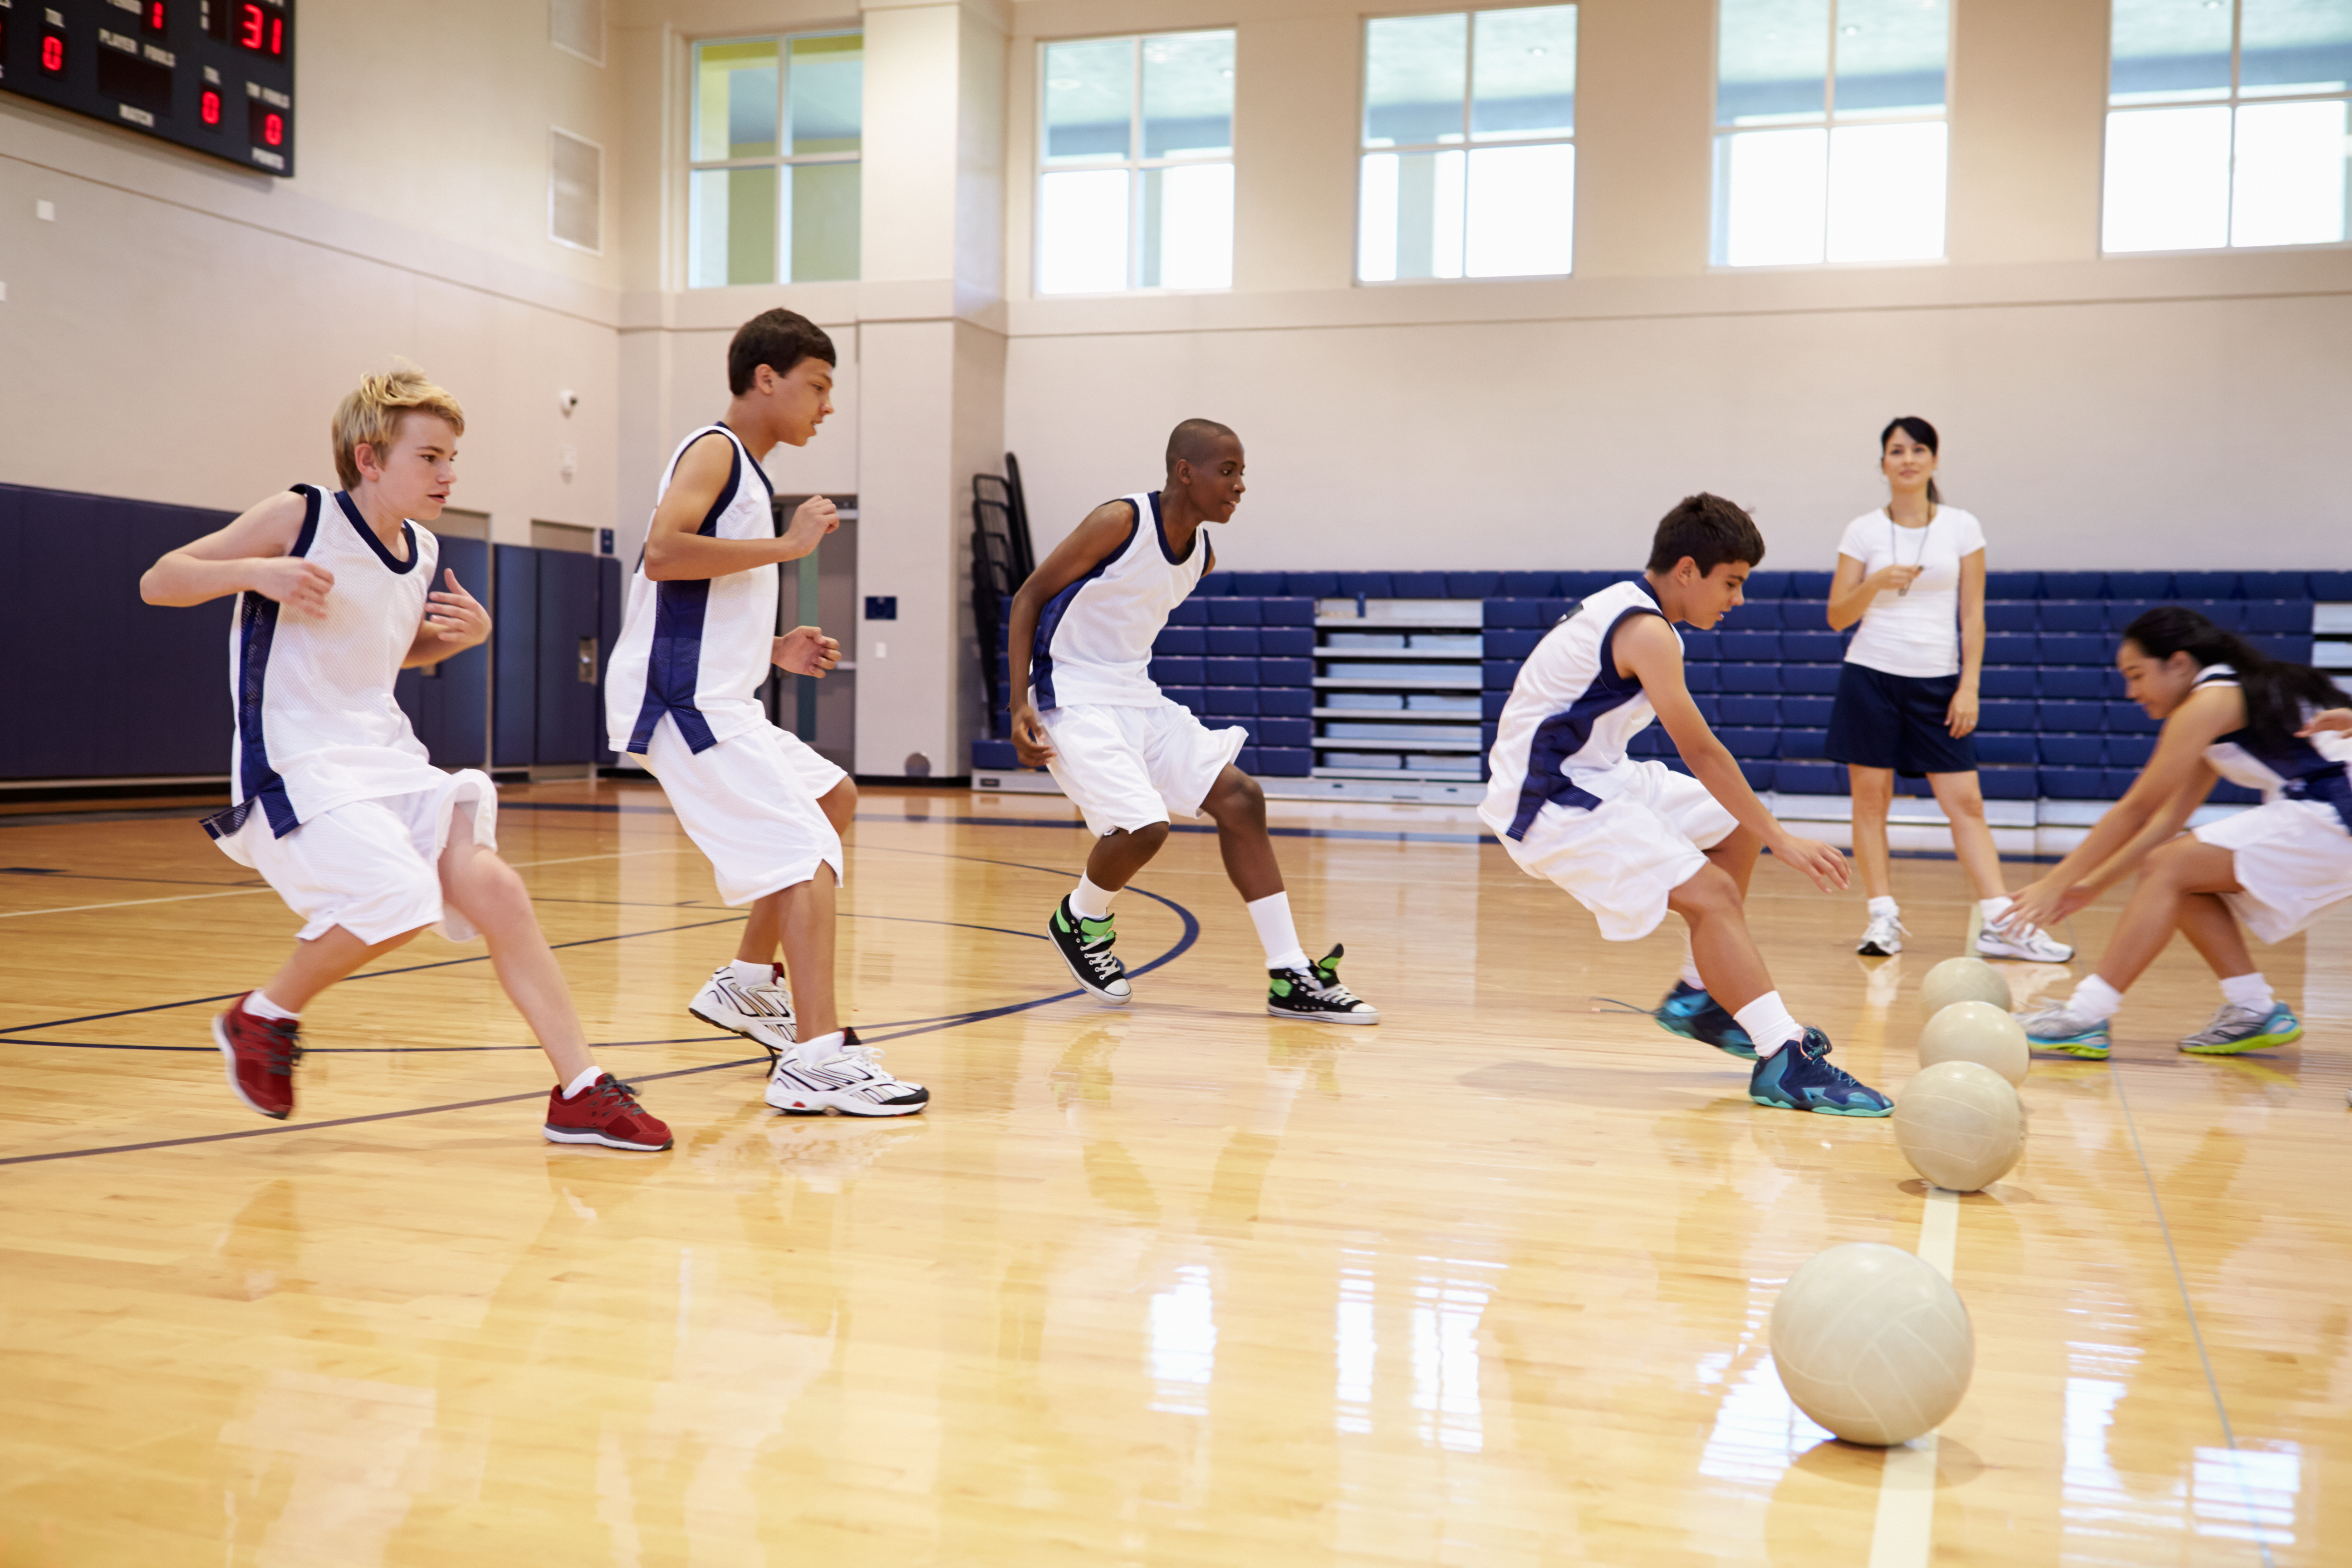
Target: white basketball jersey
column 2290, row 768
column 1570, row 715
column 316, row 725
column 1094, row 637
column 700, row 651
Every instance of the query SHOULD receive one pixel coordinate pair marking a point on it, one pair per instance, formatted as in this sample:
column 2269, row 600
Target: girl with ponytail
column 2229, row 711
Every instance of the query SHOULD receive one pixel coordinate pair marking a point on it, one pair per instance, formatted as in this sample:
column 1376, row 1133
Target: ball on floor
column 1872, row 1343
column 1977, row 1031
column 1962, row 980
column 1961, row 1125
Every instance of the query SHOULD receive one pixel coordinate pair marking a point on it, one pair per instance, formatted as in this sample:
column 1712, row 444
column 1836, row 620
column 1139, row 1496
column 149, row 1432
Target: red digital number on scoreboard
column 208, row 107
column 53, row 53
column 260, row 29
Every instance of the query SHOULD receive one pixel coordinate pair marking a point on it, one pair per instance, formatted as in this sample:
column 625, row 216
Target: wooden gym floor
column 1174, row 1285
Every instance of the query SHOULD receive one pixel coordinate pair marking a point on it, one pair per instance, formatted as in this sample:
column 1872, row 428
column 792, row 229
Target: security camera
column 567, row 400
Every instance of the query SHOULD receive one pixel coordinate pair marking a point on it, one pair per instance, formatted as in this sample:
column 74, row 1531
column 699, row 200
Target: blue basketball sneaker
column 2054, row 1028
column 1798, row 1076
column 1694, row 1014
column 2235, row 1030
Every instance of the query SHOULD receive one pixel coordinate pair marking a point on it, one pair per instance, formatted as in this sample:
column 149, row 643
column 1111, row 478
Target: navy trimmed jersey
column 1570, row 715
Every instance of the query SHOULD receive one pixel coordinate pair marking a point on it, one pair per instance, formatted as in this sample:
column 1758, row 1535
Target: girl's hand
column 1898, row 578
column 2038, row 904
column 2335, row 720
column 1960, row 719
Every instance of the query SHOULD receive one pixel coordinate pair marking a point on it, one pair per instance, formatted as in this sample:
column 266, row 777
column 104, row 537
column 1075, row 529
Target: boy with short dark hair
column 1631, row 841
column 697, row 644
column 1128, row 757
column 337, row 805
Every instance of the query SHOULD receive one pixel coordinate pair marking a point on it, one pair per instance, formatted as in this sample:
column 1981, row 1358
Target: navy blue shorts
column 1883, row 720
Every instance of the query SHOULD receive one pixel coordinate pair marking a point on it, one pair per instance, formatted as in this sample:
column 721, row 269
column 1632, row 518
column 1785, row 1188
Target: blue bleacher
column 2055, row 719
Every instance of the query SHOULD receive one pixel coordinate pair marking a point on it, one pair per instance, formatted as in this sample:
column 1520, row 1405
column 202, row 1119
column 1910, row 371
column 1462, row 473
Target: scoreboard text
column 213, row 75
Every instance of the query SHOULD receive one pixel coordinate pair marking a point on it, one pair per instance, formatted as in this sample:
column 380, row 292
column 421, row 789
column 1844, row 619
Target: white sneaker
column 2032, row 944
column 854, row 1083
column 1884, row 939
column 762, row 1011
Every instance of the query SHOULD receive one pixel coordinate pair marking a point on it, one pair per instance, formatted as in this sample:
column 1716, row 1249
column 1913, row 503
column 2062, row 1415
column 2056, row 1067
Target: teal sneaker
column 2235, row 1029
column 1799, row 1077
column 1084, row 945
column 2054, row 1028
column 1694, row 1014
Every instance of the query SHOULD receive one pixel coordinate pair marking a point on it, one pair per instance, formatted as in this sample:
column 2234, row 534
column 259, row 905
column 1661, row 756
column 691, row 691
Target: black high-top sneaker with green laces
column 1084, row 945
column 1315, row 992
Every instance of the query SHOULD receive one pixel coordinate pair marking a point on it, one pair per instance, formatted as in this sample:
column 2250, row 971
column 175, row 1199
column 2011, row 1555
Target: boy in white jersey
column 683, row 693
column 337, row 806
column 1631, row 841
column 1085, row 706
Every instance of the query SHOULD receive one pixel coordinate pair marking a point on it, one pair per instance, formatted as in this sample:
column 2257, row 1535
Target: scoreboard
column 213, row 75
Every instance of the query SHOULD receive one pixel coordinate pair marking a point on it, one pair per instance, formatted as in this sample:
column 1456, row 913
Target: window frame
column 779, row 160
column 1133, row 163
column 1465, row 146
column 2234, row 99
column 1827, row 122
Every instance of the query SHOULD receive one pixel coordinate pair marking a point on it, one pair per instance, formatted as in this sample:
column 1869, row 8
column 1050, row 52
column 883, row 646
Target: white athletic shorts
column 1129, row 767
column 1621, row 860
column 2292, row 857
column 372, row 867
column 750, row 803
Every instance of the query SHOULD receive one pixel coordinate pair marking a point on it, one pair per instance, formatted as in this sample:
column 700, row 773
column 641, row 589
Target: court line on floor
column 242, row 892
column 905, row 1029
column 1905, row 1534
column 1358, row 835
column 369, row 974
column 2188, row 1306
column 5, row 1033
column 1374, row 834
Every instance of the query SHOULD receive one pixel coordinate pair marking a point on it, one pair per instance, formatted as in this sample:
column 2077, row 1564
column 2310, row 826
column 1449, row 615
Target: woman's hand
column 1896, row 579
column 1960, row 717
column 2335, row 720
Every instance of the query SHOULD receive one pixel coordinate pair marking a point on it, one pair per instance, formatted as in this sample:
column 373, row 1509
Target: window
column 1468, row 167
column 1829, row 131
column 774, row 191
column 1135, row 188
column 2226, row 123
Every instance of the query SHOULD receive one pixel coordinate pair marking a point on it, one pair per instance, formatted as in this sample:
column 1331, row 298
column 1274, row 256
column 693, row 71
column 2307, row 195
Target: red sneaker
column 261, row 1054
column 605, row 1112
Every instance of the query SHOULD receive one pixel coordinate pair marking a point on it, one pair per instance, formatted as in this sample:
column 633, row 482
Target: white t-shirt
column 1917, row 632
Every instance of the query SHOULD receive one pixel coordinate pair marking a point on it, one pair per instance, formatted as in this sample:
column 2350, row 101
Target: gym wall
column 2180, row 410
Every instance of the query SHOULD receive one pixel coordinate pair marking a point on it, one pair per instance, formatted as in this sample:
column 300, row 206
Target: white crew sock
column 750, row 973
column 586, row 1080
column 2250, row 992
column 2094, row 1001
column 823, row 1048
column 1995, row 906
column 1090, row 902
column 1767, row 1023
column 261, row 1006
column 1885, row 906
column 1271, row 915
column 1690, row 966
